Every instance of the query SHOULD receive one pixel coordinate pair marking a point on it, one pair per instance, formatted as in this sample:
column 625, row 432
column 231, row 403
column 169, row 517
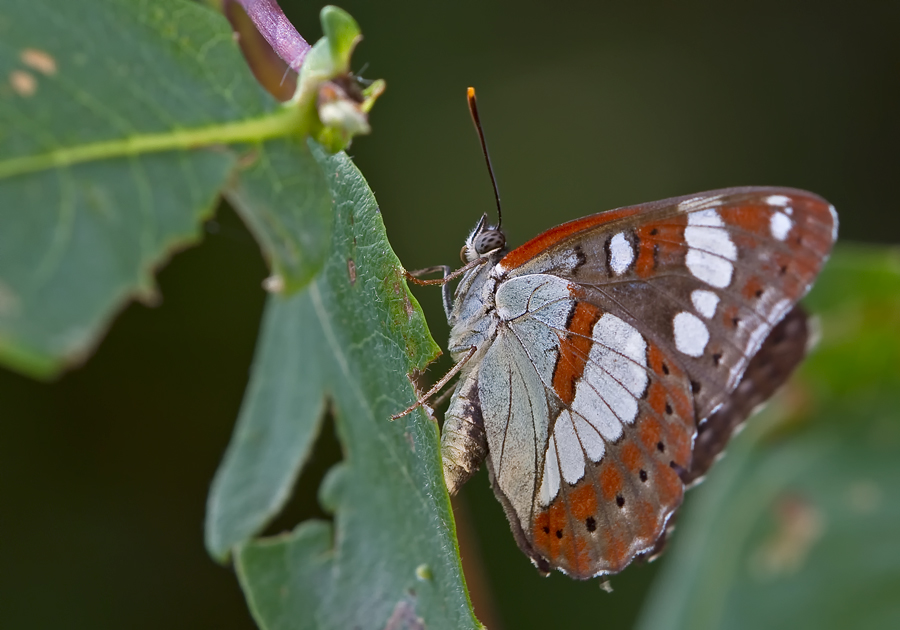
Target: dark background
column 587, row 106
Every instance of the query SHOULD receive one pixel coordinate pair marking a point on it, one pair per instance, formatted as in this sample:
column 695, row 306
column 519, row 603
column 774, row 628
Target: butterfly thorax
column 473, row 320
column 474, row 323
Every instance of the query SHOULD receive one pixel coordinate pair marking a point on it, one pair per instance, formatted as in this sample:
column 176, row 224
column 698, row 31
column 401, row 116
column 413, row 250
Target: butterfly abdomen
column 463, row 442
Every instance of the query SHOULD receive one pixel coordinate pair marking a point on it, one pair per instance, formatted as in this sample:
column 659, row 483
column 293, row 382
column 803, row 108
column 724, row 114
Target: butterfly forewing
column 708, row 275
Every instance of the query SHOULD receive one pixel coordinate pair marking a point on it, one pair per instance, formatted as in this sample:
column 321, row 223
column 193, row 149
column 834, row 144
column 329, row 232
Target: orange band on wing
column 551, row 237
column 574, row 349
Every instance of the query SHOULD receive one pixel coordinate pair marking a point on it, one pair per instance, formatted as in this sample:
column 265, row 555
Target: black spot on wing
column 580, row 259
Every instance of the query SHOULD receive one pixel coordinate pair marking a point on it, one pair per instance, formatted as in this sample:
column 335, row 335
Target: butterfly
column 604, row 364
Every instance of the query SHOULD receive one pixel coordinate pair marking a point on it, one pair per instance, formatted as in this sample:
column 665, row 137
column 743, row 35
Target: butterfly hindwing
column 633, row 399
column 769, row 368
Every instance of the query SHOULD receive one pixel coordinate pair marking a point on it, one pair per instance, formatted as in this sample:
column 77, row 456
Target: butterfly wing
column 587, row 425
column 780, row 354
column 639, row 323
column 708, row 275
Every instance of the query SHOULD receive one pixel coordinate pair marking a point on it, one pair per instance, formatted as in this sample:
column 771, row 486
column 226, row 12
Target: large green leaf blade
column 289, row 598
column 114, row 70
column 280, row 418
column 120, row 122
column 797, row 527
column 77, row 242
column 357, row 333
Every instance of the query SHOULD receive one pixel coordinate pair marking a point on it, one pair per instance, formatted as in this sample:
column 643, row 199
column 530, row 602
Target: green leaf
column 797, row 526
column 289, row 577
column 342, row 33
column 348, row 341
column 98, row 180
column 284, row 199
column 121, row 121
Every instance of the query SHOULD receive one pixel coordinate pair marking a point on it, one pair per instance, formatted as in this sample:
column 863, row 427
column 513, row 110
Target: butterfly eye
column 489, row 240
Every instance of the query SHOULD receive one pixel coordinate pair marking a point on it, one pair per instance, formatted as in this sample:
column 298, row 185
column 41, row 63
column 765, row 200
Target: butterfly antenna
column 473, row 109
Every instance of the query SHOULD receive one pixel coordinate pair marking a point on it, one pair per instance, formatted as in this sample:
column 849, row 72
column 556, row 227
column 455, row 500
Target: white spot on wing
column 621, row 253
column 691, row 334
column 779, row 310
column 622, row 351
column 705, row 232
column 709, row 268
column 778, row 200
column 705, row 302
column 590, row 439
column 571, row 456
column 550, row 482
column 594, row 401
column 780, row 224
column 711, row 248
column 834, row 225
column 707, row 218
column 614, row 377
column 756, row 338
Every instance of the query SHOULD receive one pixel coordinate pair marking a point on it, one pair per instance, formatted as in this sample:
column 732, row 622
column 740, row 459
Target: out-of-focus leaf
column 797, row 527
column 342, row 33
column 120, row 123
column 327, row 85
column 348, row 340
column 113, row 117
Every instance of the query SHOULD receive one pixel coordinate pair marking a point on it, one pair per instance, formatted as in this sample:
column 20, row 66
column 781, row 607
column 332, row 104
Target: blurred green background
column 587, row 106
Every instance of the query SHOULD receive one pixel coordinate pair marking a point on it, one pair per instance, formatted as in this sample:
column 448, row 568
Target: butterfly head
column 484, row 239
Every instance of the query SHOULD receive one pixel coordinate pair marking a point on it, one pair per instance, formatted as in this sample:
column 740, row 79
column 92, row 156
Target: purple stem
column 274, row 26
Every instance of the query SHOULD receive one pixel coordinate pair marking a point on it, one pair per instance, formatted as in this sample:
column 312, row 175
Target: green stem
column 287, row 121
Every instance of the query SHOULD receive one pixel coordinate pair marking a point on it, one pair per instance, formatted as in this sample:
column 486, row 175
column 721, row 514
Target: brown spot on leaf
column 351, row 270
column 39, row 60
column 800, row 524
column 404, row 616
column 22, row 83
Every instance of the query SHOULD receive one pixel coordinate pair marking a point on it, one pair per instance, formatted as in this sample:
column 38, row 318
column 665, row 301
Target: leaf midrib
column 286, row 121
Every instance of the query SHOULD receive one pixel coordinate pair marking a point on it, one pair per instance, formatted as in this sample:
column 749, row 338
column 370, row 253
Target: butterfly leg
column 437, row 386
column 413, row 276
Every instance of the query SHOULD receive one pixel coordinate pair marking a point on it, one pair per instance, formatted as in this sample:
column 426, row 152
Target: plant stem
column 272, row 23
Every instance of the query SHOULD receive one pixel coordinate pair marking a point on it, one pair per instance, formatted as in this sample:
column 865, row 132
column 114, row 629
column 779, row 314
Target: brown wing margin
column 778, row 357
